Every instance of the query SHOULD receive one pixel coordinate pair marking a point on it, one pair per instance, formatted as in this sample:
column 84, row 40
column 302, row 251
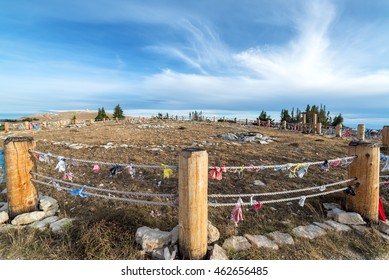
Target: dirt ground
column 160, row 142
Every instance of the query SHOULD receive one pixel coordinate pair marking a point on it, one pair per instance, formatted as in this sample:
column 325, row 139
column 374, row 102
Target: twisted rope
column 108, row 197
column 103, row 190
column 289, row 164
column 275, row 201
column 104, row 163
column 282, row 192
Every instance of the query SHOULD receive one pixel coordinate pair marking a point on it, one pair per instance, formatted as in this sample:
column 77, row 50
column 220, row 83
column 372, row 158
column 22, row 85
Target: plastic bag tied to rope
column 78, row 192
column 61, row 166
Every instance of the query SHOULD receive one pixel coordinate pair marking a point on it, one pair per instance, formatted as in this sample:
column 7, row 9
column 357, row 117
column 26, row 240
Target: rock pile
column 41, row 220
column 162, row 246
column 246, row 137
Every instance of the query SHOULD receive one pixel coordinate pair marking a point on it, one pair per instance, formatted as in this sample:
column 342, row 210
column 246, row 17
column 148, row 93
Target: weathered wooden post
column 304, row 122
column 268, row 123
column 116, row 119
column 338, row 130
column 314, row 122
column 283, row 125
column 361, row 132
column 91, row 121
column 247, row 121
column 21, row 192
column 385, row 136
column 235, row 119
column 214, row 118
column 44, row 124
column 366, row 168
column 318, row 128
column 6, row 127
column 27, row 125
column 193, row 203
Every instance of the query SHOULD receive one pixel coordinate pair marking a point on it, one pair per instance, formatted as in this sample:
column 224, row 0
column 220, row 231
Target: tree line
column 117, row 113
column 295, row 116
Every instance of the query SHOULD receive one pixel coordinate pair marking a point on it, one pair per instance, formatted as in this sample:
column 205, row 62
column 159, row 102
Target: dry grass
column 106, row 229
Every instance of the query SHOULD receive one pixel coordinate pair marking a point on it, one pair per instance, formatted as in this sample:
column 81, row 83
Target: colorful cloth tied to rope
column 237, row 214
column 61, row 166
column 96, row 168
column 167, row 172
column 216, row 172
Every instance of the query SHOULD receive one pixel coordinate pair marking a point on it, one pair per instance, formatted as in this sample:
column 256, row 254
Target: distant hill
column 50, row 116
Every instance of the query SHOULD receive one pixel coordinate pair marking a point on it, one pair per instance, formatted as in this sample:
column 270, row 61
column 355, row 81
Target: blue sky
column 205, row 54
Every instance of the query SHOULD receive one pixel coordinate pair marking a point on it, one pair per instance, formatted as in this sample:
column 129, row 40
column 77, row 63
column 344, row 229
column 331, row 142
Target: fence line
column 106, row 196
column 215, row 204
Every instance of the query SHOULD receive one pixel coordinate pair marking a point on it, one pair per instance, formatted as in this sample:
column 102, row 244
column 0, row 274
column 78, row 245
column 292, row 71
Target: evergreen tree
column 118, row 112
column 337, row 120
column 98, row 117
column 264, row 116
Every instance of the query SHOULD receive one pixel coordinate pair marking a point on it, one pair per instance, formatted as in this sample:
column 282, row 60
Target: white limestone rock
column 236, row 243
column 330, row 206
column 281, row 238
column 338, row 226
column 213, row 233
column 28, row 218
column 218, row 253
column 46, row 203
column 310, row 231
column 151, row 239
column 43, row 224
column 361, row 230
column 60, row 225
column 4, row 207
column 323, row 226
column 349, row 218
column 261, row 241
column 384, row 227
column 3, row 217
column 331, row 214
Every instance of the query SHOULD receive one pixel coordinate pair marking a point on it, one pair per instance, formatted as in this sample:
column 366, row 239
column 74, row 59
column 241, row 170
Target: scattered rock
column 158, row 254
column 323, row 226
column 4, row 191
column 259, row 183
column 310, row 231
column 261, row 241
column 170, row 252
column 42, row 225
column 151, row 239
column 213, row 233
column 385, row 237
column 331, row 214
column 330, row 206
column 3, row 217
column 349, row 218
column 28, row 218
column 236, row 243
column 46, row 203
column 338, row 226
column 60, row 225
column 52, row 211
column 175, row 232
column 4, row 207
column 362, row 230
column 384, row 227
column 218, row 253
column 281, row 238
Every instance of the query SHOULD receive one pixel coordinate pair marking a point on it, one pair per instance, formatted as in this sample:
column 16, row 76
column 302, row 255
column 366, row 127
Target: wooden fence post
column 268, row 123
column 247, row 121
column 361, row 132
column 21, row 193
column 314, row 122
column 283, row 125
column 366, row 168
column 318, row 128
column 193, row 203
column 27, row 125
column 385, row 136
column 6, row 127
column 338, row 130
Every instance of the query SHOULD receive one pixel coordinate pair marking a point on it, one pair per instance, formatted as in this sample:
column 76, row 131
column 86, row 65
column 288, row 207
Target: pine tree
column 118, row 112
